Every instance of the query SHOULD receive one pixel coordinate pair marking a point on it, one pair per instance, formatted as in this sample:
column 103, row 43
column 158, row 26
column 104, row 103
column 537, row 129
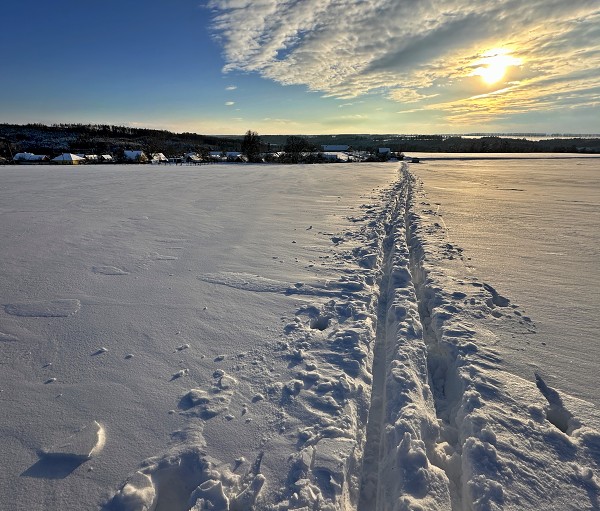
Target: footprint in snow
column 215, row 401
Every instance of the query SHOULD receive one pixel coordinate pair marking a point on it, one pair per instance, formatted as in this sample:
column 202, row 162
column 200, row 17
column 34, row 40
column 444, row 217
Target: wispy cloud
column 231, row 87
column 418, row 52
column 409, row 96
column 229, row 103
column 355, row 116
column 272, row 120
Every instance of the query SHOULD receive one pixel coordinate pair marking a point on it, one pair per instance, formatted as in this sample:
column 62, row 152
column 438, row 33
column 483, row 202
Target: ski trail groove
column 443, row 374
column 375, row 424
column 414, row 385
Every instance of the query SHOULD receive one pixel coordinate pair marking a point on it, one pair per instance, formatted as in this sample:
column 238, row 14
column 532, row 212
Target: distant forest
column 449, row 144
column 107, row 139
column 103, row 139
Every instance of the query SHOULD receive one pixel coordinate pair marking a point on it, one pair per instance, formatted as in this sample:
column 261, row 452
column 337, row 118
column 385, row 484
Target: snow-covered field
column 290, row 337
column 533, row 229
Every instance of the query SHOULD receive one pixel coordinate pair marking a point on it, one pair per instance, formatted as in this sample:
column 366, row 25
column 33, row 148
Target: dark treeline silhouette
column 104, row 138
column 445, row 143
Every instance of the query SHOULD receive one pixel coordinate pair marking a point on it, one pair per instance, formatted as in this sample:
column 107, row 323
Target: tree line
column 104, row 138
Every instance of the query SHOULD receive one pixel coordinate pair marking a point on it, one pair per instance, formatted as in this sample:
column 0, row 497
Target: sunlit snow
column 325, row 337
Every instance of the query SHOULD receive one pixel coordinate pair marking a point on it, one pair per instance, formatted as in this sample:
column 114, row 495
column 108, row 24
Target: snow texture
column 83, row 445
column 333, row 355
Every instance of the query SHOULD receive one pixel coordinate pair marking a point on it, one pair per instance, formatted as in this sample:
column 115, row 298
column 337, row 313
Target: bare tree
column 251, row 146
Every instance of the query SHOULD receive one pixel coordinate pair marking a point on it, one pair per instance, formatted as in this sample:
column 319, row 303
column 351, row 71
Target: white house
column 29, row 158
column 68, row 159
column 89, row 157
column 156, row 158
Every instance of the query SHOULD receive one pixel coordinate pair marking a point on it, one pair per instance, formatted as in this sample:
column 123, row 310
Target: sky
column 304, row 66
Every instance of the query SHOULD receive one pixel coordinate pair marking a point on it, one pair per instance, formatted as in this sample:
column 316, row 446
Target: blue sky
column 304, row 67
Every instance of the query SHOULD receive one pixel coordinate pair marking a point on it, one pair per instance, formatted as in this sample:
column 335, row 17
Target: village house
column 192, row 157
column 135, row 156
column 30, row 158
column 158, row 158
column 68, row 159
column 217, row 155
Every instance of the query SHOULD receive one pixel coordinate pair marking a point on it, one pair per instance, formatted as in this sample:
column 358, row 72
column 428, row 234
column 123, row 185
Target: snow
column 83, row 445
column 68, row 157
column 238, row 337
column 532, row 229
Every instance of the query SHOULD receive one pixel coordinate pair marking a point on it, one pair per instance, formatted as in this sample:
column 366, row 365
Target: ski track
column 393, row 403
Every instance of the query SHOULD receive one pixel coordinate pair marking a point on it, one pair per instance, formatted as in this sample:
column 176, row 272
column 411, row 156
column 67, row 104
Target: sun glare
column 493, row 64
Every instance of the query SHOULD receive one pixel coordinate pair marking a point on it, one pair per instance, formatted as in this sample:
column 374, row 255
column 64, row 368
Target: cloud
column 229, row 103
column 411, row 51
column 355, row 116
column 231, row 87
column 535, row 95
column 409, row 96
column 272, row 120
column 353, row 103
column 411, row 111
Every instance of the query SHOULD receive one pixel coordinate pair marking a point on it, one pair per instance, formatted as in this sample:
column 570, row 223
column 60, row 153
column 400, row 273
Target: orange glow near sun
column 493, row 64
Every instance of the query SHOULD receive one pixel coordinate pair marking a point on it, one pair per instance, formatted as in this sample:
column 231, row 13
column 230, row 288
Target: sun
column 492, row 72
column 493, row 64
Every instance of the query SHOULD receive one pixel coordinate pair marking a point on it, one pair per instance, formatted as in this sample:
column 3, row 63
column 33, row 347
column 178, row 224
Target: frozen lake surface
column 324, row 337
